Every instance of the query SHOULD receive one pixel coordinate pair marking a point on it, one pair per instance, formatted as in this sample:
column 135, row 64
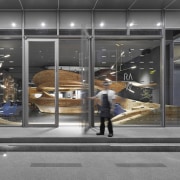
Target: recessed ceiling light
column 43, row 24
column 131, row 24
column 101, row 24
column 7, row 55
column 72, row 24
column 13, row 24
column 158, row 24
column 151, row 62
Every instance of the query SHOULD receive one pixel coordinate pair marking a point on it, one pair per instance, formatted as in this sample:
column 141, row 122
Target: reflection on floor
column 135, row 117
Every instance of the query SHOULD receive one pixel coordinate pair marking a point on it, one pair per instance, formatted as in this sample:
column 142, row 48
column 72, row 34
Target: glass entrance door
column 41, row 82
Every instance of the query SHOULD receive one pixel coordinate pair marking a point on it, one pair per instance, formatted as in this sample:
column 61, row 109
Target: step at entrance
column 89, row 144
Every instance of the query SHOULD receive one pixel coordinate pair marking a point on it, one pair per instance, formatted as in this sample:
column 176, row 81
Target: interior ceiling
column 89, row 4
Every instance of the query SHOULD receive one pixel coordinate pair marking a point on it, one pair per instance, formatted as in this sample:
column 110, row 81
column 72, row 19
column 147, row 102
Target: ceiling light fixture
column 101, row 24
column 13, row 24
column 122, row 54
column 72, row 24
column 158, row 24
column 113, row 73
column 108, row 79
column 43, row 24
column 132, row 67
column 131, row 24
column 112, row 67
column 7, row 55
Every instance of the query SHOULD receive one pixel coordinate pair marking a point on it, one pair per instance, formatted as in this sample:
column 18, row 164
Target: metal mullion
column 56, row 82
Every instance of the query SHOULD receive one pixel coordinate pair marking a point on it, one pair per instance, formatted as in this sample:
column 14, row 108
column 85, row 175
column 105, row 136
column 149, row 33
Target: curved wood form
column 136, row 111
column 68, row 81
column 47, row 104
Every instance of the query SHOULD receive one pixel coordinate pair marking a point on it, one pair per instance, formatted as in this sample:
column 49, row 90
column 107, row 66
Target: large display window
column 172, row 107
column 11, row 106
column 133, row 69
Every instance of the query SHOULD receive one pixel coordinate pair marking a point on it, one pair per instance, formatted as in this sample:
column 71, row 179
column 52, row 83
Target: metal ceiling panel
column 76, row 4
column 114, row 4
column 89, row 4
column 174, row 5
column 40, row 4
column 10, row 4
column 152, row 4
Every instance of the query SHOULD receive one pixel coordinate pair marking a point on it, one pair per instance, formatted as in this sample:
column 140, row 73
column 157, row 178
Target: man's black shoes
column 99, row 134
column 110, row 135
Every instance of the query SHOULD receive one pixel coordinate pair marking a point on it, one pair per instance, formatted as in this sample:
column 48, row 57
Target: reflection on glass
column 10, row 83
column 42, row 82
column 173, row 87
column 133, row 69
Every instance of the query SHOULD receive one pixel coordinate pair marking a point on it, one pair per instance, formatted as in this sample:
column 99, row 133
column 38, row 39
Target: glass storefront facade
column 50, row 63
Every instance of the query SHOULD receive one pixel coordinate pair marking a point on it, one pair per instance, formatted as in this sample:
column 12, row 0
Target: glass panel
column 10, row 82
column 41, row 82
column 70, row 85
column 133, row 69
column 84, row 65
column 145, row 20
column 173, row 86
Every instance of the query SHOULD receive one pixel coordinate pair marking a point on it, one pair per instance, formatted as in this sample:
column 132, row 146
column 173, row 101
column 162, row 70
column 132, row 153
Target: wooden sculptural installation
column 71, row 81
column 68, row 81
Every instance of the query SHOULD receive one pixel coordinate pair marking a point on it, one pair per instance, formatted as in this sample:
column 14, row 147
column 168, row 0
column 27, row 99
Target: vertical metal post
column 25, row 76
column 56, row 49
column 162, row 71
column 91, row 74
